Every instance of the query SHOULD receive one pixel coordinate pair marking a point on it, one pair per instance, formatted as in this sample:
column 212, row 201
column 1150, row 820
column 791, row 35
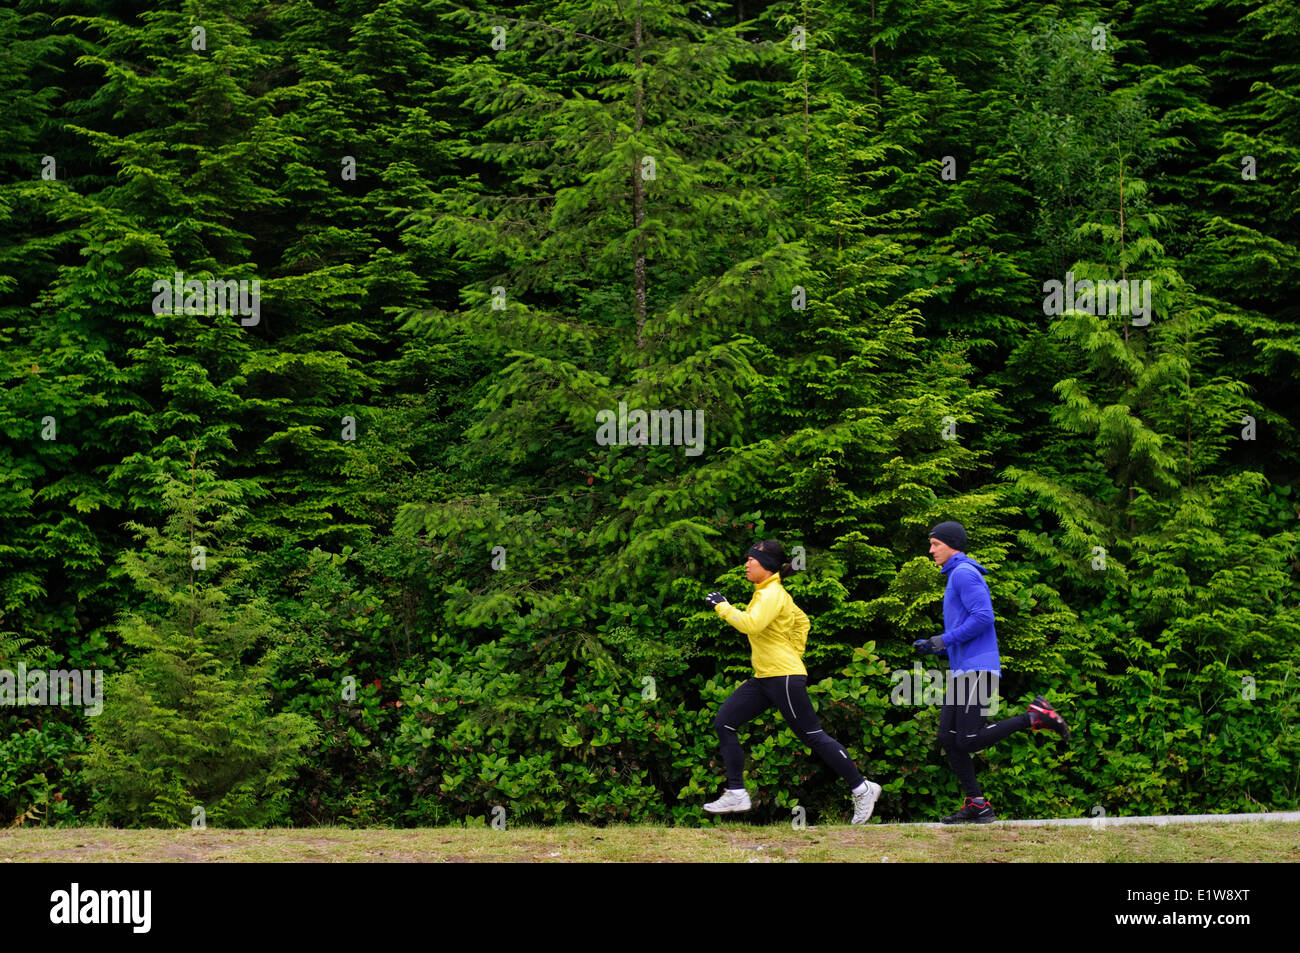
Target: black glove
column 714, row 598
column 929, row 646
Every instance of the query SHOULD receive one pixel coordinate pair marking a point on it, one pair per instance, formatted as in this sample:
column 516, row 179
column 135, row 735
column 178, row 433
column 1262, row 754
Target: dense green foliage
column 427, row 585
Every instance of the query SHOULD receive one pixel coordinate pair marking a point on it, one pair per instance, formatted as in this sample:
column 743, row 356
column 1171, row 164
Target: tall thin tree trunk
column 638, row 200
column 807, row 175
column 875, row 66
column 193, row 459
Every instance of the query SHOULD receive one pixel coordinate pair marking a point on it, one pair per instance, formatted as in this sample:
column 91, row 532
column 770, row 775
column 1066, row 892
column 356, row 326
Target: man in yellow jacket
column 778, row 633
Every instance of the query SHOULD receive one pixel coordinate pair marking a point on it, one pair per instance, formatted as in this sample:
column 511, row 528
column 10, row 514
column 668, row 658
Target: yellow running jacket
column 777, row 629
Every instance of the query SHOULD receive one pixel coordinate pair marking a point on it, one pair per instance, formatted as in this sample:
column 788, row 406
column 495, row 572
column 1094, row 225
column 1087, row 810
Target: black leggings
column 962, row 729
column 789, row 694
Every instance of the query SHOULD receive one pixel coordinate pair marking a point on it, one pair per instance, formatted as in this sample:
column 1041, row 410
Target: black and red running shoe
column 976, row 811
column 1043, row 715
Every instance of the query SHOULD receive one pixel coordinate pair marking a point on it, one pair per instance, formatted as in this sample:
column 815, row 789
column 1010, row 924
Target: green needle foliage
column 440, row 580
column 188, row 726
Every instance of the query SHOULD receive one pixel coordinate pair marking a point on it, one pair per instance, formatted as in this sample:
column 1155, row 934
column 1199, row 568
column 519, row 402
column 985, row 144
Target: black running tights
column 789, row 694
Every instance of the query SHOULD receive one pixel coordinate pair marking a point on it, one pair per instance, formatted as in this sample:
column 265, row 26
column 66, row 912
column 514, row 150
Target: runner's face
column 940, row 551
column 754, row 570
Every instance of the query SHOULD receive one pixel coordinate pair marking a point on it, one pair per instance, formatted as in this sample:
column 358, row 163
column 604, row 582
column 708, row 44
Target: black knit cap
column 954, row 534
column 769, row 553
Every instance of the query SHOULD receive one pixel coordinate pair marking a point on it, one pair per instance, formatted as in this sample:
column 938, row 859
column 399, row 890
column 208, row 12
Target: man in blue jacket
column 971, row 644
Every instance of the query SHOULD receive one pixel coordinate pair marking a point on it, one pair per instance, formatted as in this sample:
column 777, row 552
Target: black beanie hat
column 954, row 534
column 770, row 554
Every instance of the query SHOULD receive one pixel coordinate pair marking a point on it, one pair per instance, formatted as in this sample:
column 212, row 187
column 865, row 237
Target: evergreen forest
column 384, row 384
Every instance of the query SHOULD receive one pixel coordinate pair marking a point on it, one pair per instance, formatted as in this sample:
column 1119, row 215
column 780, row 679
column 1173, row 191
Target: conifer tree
column 186, row 724
column 801, row 356
column 1150, row 522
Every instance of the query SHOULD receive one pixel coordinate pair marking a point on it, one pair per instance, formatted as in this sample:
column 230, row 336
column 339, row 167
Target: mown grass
column 724, row 843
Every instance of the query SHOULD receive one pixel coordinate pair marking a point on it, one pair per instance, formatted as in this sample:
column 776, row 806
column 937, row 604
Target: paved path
column 1158, row 820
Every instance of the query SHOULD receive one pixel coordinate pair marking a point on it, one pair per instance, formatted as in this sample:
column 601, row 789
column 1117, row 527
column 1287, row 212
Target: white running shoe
column 731, row 802
column 865, row 803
